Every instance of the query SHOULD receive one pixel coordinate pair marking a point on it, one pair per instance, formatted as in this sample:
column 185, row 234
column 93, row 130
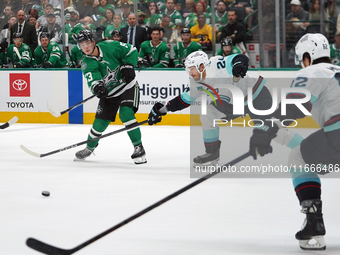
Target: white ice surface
column 219, row 216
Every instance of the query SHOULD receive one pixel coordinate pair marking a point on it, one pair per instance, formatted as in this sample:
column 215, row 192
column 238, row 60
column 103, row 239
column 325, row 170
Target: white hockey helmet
column 197, row 58
column 315, row 44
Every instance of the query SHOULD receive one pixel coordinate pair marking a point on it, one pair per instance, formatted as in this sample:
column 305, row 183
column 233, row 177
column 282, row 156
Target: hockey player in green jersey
column 109, row 69
column 48, row 54
column 227, row 48
column 73, row 27
column 76, row 57
column 184, row 48
column 19, row 53
column 155, row 52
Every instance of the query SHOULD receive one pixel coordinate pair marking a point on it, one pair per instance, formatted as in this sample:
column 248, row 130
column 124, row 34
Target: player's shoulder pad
column 52, row 43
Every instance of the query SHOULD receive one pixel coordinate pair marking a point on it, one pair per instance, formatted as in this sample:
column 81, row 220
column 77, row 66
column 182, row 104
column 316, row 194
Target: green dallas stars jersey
column 53, row 54
column 73, row 30
column 335, row 54
column 24, row 52
column 183, row 52
column 175, row 18
column 106, row 67
column 157, row 56
column 76, row 56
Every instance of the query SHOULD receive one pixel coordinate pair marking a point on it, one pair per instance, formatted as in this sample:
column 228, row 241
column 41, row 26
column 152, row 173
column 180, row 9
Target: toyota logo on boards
column 19, row 84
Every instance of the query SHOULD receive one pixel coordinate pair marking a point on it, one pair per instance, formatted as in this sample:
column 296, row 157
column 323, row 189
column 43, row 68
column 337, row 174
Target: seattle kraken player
column 213, row 72
column 319, row 151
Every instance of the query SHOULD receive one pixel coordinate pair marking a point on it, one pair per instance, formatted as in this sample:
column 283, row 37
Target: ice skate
column 311, row 236
column 83, row 154
column 211, row 157
column 138, row 155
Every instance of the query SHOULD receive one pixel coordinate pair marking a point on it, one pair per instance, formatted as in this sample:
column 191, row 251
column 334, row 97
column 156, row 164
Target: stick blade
column 53, row 111
column 46, row 248
column 13, row 120
column 32, row 153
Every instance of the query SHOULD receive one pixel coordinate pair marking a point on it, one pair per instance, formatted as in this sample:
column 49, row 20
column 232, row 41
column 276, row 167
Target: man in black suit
column 132, row 33
column 27, row 30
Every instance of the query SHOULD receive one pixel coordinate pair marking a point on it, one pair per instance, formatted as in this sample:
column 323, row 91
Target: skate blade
column 318, row 243
column 79, row 159
column 140, row 160
column 213, row 163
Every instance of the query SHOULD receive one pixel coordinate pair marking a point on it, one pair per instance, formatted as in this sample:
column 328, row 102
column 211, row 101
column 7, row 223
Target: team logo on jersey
column 111, row 75
column 209, row 93
column 83, row 66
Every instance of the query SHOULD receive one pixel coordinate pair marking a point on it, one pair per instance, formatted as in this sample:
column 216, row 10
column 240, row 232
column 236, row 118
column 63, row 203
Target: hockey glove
column 3, row 46
column 155, row 115
column 100, row 90
column 262, row 136
column 179, row 65
column 240, row 65
column 18, row 65
column 128, row 73
column 47, row 64
column 142, row 63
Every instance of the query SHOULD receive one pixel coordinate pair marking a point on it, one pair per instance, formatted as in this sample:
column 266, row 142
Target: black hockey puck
column 45, row 193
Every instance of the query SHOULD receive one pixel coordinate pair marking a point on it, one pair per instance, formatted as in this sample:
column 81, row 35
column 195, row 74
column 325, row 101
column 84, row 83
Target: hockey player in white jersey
column 319, row 151
column 212, row 74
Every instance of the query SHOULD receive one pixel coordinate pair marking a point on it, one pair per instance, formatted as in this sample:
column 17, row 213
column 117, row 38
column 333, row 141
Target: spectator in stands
column 184, row 48
column 295, row 29
column 246, row 4
column 73, row 27
column 122, row 2
column 49, row 54
column 201, row 7
column 268, row 22
column 53, row 29
column 101, row 8
column 26, row 6
column 175, row 16
column 143, row 6
column 88, row 24
column 42, row 21
column 335, row 49
column 34, row 12
column 221, row 18
column 85, row 8
column 107, row 20
column 27, row 30
column 166, row 29
column 42, row 5
column 155, row 17
column 201, row 32
column 133, row 34
column 8, row 12
column 179, row 8
column 176, row 34
column 126, row 10
column 116, row 35
column 314, row 14
column 117, row 25
column 32, row 20
column 5, row 34
column 227, row 48
column 333, row 9
column 189, row 8
column 141, row 16
column 234, row 30
column 155, row 52
column 68, row 6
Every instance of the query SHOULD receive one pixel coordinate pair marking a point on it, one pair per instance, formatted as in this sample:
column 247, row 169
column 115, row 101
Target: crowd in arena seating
column 183, row 25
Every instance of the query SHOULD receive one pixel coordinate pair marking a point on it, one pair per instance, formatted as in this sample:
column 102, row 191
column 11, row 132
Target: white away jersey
column 323, row 82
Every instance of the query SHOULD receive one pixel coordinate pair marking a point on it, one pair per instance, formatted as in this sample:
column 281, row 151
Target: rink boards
column 25, row 94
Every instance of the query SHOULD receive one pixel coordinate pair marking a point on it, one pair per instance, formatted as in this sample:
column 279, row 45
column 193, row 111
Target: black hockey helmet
column 17, row 35
column 116, row 33
column 85, row 35
column 45, row 34
column 185, row 30
column 226, row 42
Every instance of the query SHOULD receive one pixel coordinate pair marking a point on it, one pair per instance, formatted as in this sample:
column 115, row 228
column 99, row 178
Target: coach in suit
column 132, row 33
column 27, row 30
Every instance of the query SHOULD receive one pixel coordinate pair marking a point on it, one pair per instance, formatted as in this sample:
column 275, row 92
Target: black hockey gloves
column 240, row 65
column 179, row 65
column 47, row 64
column 100, row 90
column 142, row 62
column 262, row 136
column 18, row 65
column 3, row 46
column 128, row 73
column 155, row 115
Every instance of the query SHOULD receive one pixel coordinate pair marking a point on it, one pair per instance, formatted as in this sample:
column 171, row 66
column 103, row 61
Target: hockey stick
column 52, row 250
column 9, row 123
column 81, row 143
